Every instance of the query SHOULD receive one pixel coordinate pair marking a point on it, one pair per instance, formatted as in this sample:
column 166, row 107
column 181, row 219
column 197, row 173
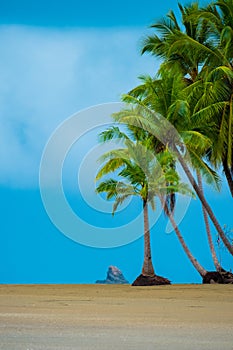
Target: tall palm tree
column 201, row 50
column 159, row 183
column 170, row 42
column 164, row 96
column 135, row 163
column 194, row 53
column 219, row 20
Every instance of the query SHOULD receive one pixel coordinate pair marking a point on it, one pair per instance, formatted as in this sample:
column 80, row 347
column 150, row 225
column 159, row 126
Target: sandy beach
column 34, row 317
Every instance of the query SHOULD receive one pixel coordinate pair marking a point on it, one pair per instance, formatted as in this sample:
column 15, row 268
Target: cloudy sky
column 57, row 59
column 50, row 73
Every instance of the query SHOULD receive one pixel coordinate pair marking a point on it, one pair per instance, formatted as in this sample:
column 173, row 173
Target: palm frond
column 209, row 175
column 109, row 167
column 196, row 141
column 109, row 186
column 113, row 132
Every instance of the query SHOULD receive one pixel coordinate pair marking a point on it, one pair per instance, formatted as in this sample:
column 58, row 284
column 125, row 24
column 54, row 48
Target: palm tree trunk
column 193, row 260
column 147, row 269
column 207, row 225
column 228, row 176
column 204, row 202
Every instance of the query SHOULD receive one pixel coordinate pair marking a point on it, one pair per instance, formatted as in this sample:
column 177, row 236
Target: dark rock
column 114, row 276
column 150, row 281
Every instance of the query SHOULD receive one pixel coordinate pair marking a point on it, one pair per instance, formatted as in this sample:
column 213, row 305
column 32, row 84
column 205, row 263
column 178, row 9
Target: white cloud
column 48, row 74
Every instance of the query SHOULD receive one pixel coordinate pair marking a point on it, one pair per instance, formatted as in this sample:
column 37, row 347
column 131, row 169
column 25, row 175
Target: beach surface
column 66, row 317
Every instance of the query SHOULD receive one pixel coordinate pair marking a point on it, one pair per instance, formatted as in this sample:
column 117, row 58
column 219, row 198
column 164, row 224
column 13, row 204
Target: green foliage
column 187, row 106
column 140, row 173
column 201, row 51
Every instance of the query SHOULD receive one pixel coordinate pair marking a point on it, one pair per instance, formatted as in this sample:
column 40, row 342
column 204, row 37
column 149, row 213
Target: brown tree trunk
column 147, row 269
column 228, row 176
column 207, row 225
column 193, row 260
column 204, row 202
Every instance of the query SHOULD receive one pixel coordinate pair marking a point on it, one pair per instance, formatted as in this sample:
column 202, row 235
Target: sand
column 102, row 317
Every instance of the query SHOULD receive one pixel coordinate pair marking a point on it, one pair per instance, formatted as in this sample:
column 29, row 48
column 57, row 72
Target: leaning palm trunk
column 228, row 176
column 204, row 202
column 147, row 269
column 207, row 225
column 193, row 260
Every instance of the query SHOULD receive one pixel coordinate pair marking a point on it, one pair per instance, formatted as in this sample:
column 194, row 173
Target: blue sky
column 59, row 58
column 93, row 14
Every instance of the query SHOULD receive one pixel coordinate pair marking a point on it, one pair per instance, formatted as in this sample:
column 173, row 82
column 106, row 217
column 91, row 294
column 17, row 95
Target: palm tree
column 195, row 54
column 157, row 184
column 165, row 97
column 134, row 162
column 173, row 44
column 219, row 19
column 203, row 50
